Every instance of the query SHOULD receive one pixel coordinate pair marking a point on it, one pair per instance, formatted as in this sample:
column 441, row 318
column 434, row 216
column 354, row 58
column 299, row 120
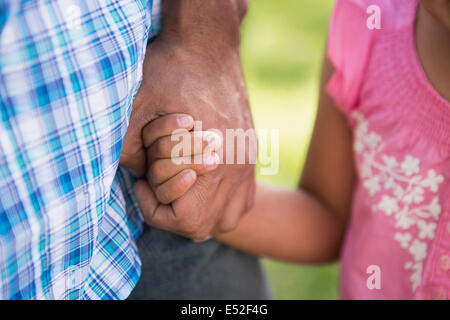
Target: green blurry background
column 282, row 48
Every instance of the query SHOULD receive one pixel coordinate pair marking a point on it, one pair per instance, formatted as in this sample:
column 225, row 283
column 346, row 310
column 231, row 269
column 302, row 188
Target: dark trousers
column 174, row 267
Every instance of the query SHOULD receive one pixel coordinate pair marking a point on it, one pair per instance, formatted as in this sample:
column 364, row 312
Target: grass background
column 282, row 49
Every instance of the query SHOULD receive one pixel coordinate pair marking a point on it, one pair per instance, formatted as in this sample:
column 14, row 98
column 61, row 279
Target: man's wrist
column 211, row 23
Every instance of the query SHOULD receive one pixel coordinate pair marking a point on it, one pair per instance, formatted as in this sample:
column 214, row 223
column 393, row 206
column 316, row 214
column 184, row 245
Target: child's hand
column 170, row 173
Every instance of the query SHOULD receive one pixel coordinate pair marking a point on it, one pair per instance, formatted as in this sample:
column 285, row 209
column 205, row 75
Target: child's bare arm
column 289, row 225
column 306, row 225
column 329, row 173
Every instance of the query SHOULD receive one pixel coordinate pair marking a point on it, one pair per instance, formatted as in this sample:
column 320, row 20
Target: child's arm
column 306, row 225
column 288, row 225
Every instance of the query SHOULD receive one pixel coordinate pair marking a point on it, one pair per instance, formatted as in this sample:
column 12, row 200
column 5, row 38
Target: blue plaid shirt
column 69, row 70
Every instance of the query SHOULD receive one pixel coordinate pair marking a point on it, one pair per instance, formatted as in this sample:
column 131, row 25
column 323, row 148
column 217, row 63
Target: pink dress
column 397, row 244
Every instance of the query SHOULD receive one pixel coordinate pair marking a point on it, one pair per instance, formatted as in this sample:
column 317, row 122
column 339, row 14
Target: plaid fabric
column 69, row 70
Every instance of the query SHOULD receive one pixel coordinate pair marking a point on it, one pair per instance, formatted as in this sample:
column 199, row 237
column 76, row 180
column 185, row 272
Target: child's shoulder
column 354, row 28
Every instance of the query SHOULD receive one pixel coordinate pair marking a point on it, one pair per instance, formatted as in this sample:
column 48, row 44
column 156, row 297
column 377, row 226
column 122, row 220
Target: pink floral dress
column 397, row 244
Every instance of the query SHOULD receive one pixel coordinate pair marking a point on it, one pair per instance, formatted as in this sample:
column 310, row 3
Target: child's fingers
column 164, row 126
column 184, row 144
column 163, row 169
column 175, row 187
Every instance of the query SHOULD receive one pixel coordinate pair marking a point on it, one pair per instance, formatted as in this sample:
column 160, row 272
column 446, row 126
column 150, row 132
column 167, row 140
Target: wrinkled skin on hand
column 184, row 77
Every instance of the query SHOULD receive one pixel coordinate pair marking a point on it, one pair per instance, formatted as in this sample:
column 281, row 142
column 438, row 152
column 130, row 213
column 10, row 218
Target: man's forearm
column 194, row 67
column 207, row 23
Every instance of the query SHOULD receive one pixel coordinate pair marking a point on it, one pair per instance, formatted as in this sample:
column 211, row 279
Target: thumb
column 132, row 155
column 135, row 163
column 146, row 198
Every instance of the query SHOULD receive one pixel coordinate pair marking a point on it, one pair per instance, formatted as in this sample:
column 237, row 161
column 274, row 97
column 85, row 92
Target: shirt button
column 438, row 294
column 444, row 262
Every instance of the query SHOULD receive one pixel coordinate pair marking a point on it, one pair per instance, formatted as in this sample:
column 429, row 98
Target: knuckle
column 193, row 228
column 229, row 225
column 244, row 6
column 125, row 160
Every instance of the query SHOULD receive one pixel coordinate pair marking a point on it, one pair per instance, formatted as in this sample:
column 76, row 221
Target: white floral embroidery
column 410, row 165
column 432, row 181
column 403, row 238
column 388, row 204
column 403, row 190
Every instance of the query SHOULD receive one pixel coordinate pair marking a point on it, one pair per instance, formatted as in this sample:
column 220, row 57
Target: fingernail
column 204, row 240
column 213, row 139
column 188, row 177
column 185, row 121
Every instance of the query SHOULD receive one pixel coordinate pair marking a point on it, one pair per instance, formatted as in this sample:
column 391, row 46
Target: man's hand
column 194, row 68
